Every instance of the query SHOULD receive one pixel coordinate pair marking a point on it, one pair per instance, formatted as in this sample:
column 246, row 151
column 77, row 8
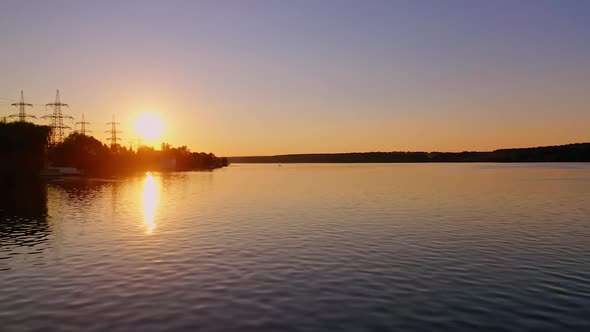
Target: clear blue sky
column 270, row 77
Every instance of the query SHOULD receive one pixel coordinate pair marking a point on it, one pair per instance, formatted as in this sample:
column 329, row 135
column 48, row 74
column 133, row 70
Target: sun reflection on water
column 149, row 202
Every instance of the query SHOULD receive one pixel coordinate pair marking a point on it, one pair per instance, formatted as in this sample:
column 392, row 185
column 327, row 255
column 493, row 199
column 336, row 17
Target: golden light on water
column 149, row 126
column 149, row 203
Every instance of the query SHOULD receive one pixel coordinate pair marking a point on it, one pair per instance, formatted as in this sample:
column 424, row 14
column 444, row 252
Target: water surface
column 361, row 247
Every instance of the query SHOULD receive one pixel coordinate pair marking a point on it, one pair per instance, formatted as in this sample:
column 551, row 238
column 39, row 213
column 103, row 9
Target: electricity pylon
column 22, row 115
column 83, row 124
column 137, row 143
column 57, row 123
column 113, row 131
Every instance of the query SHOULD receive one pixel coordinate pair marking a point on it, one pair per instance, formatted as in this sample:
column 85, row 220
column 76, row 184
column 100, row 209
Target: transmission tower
column 57, row 123
column 22, row 115
column 113, row 131
column 83, row 124
column 137, row 143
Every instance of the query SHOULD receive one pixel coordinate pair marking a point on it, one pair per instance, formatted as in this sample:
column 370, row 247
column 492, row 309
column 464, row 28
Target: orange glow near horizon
column 150, row 127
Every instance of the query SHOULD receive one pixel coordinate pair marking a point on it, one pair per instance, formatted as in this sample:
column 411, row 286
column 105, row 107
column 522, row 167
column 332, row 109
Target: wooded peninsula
column 25, row 152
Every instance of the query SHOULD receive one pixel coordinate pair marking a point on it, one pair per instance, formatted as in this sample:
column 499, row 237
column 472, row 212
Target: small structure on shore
column 61, row 171
column 168, row 164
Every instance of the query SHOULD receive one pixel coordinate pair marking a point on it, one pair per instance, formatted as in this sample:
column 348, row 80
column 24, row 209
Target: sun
column 149, row 126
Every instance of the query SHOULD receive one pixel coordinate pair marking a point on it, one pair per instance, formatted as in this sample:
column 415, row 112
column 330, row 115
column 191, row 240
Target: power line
column 22, row 115
column 113, row 131
column 57, row 124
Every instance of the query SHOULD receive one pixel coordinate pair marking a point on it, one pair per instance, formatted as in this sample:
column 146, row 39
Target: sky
column 274, row 77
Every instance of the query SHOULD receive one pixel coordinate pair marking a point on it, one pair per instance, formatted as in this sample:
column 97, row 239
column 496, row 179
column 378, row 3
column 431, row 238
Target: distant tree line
column 579, row 152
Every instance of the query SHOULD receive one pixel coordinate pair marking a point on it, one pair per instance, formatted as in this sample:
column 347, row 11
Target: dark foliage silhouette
column 579, row 152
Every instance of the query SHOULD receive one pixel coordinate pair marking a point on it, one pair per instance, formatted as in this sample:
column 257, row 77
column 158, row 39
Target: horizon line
column 407, row 151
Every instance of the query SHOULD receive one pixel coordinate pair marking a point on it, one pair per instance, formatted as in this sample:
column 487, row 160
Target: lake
column 306, row 247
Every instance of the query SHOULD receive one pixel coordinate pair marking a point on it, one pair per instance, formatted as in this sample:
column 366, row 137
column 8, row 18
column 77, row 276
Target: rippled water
column 302, row 248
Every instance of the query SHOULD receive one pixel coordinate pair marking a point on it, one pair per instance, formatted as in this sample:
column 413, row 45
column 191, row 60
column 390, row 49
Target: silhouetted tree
column 22, row 149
